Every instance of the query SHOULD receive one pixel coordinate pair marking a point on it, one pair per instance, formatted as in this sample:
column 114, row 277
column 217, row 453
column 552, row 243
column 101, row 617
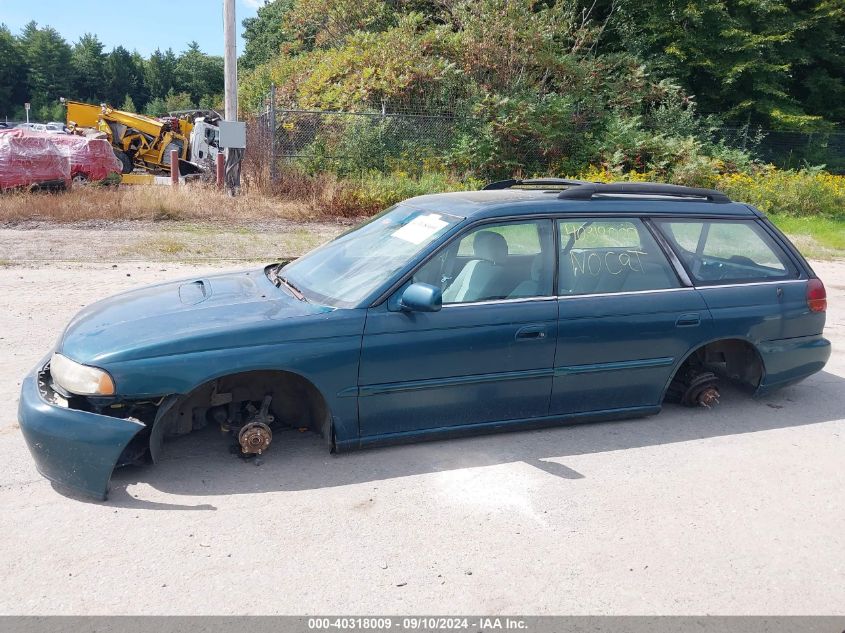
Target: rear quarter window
column 727, row 251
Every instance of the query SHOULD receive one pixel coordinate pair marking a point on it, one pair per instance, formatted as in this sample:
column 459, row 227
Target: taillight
column 816, row 295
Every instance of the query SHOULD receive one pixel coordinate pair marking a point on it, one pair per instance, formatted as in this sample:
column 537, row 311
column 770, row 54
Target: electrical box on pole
column 232, row 134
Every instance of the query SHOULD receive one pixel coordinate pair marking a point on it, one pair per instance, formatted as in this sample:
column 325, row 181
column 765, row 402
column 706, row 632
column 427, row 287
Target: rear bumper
column 72, row 448
column 791, row 360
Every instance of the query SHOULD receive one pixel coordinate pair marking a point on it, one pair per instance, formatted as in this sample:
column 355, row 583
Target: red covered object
column 28, row 158
column 91, row 158
column 33, row 158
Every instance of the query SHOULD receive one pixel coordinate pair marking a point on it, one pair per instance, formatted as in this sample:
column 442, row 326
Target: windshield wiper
column 278, row 280
column 294, row 290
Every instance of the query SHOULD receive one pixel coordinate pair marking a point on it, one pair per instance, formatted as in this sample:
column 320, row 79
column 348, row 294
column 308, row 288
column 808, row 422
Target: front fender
column 329, row 364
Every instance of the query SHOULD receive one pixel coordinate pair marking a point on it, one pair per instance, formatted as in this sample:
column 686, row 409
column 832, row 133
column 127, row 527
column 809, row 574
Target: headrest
column 490, row 246
column 537, row 267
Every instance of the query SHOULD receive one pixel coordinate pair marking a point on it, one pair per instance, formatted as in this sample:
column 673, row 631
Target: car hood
column 180, row 316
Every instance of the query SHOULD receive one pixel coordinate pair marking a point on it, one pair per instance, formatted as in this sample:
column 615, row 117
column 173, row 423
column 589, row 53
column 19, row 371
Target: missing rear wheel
column 694, row 388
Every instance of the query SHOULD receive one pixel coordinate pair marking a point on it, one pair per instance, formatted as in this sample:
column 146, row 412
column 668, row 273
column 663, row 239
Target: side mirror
column 421, row 298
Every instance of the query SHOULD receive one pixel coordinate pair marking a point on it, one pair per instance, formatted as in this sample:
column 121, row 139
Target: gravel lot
column 733, row 511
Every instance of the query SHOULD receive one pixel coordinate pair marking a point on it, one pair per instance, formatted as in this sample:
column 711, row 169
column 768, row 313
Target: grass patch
column 157, row 247
column 815, row 237
column 298, row 241
column 200, row 229
column 166, row 246
column 180, row 243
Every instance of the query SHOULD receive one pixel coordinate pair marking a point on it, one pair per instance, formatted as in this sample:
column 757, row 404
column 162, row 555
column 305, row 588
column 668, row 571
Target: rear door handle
column 531, row 333
column 688, row 320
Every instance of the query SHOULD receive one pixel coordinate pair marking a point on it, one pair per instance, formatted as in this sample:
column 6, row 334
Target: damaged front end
column 77, row 442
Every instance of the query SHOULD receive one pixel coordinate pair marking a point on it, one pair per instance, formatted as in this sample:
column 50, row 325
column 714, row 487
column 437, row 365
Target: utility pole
column 234, row 150
column 230, row 61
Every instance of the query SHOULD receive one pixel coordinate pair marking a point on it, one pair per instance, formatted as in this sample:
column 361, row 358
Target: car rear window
column 726, row 251
column 600, row 256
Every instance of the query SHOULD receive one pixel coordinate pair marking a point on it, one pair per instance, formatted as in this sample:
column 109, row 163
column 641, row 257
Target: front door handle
column 531, row 333
column 688, row 320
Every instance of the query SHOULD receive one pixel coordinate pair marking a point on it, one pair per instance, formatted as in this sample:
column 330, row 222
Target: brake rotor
column 708, row 397
column 694, row 388
column 255, row 438
column 702, row 391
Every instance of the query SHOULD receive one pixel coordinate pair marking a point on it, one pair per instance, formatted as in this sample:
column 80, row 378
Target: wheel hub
column 255, row 438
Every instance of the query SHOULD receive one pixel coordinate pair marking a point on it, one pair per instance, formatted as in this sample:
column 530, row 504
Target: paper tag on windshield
column 420, row 228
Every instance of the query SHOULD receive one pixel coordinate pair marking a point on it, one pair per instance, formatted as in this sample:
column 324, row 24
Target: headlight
column 80, row 379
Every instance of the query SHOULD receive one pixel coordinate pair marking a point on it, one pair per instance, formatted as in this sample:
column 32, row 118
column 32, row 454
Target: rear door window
column 727, row 251
column 599, row 256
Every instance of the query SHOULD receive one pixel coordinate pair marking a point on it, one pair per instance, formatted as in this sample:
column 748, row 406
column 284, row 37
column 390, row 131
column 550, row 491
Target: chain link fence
column 398, row 136
column 378, row 139
column 790, row 150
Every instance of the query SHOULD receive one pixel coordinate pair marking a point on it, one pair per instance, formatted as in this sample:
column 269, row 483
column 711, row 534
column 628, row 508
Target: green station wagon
column 529, row 303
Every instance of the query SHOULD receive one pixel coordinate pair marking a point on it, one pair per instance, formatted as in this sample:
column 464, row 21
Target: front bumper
column 73, row 448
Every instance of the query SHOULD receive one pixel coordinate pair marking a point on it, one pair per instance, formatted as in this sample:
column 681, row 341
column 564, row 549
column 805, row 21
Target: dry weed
column 157, row 203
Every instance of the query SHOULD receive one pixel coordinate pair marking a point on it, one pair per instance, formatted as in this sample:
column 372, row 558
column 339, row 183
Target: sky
column 146, row 24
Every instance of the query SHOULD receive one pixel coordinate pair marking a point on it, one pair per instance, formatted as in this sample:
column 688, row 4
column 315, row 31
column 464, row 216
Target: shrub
column 374, row 191
column 358, row 144
column 514, row 136
column 802, row 193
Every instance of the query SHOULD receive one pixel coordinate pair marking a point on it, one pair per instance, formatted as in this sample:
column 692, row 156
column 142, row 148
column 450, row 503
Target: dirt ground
column 738, row 510
column 32, row 243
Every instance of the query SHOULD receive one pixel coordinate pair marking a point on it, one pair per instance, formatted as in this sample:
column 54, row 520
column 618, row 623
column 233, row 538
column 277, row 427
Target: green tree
column 818, row 77
column 177, row 101
column 48, row 58
column 124, row 76
column 128, row 105
column 327, row 23
column 198, row 74
column 212, row 102
column 159, row 73
column 738, row 57
column 13, row 72
column 265, row 34
column 155, row 107
column 50, row 112
column 88, row 73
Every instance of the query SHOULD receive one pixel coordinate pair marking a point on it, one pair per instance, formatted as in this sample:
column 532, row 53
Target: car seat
column 532, row 287
column 482, row 277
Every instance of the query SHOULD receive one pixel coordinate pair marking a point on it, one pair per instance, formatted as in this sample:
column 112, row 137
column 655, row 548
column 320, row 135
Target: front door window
column 511, row 260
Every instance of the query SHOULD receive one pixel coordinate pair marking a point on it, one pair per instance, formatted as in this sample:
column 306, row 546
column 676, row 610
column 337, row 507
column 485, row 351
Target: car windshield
column 345, row 271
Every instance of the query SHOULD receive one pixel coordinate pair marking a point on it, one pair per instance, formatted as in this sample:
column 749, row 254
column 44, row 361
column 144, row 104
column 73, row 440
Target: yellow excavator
column 143, row 141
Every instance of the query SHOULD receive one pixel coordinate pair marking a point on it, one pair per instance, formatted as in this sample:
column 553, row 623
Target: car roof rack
column 586, row 191
column 533, row 182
